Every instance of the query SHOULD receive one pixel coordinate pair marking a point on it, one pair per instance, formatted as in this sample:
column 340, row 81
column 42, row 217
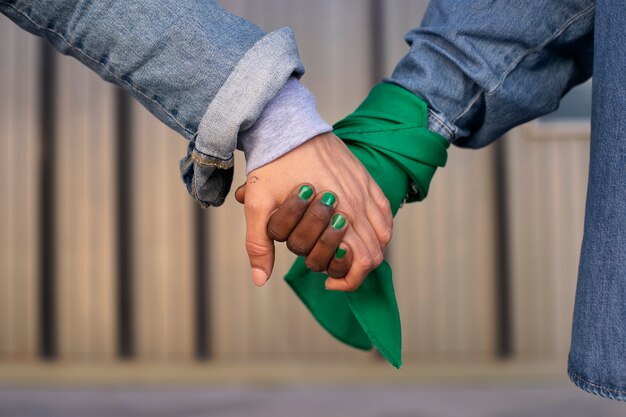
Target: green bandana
column 388, row 133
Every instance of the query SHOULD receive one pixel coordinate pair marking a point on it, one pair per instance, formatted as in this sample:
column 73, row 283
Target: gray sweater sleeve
column 288, row 120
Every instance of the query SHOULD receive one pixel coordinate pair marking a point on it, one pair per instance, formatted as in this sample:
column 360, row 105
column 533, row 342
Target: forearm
column 201, row 70
column 484, row 67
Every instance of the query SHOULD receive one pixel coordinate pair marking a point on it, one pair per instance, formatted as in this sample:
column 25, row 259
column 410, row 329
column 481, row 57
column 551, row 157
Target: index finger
column 290, row 212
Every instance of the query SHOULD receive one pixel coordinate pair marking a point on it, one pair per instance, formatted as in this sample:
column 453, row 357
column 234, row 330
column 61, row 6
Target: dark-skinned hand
column 312, row 227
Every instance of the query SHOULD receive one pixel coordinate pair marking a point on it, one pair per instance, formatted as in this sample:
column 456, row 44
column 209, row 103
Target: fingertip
column 338, row 284
column 341, row 252
column 240, row 194
column 259, row 277
column 329, row 284
column 259, row 247
column 341, row 261
column 329, row 199
column 305, row 191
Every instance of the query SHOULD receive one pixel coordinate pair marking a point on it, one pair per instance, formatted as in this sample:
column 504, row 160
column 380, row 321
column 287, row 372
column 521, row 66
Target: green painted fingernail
column 328, row 199
column 340, row 253
column 338, row 221
column 305, row 192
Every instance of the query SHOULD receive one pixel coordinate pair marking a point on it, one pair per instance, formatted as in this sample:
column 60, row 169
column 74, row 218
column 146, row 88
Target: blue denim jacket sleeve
column 203, row 71
column 486, row 66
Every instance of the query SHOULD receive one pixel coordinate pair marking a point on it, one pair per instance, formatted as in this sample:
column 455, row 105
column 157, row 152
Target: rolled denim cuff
column 207, row 169
column 439, row 124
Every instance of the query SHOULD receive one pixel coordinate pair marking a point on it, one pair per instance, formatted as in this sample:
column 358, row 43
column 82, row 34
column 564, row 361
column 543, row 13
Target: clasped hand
column 342, row 230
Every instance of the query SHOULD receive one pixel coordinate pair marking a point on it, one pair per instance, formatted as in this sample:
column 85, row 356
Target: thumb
column 259, row 246
column 240, row 194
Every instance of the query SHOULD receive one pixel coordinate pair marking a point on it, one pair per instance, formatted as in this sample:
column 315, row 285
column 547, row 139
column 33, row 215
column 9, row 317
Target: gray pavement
column 307, row 401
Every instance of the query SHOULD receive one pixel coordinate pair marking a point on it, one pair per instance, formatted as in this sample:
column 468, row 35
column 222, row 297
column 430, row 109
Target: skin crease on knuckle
column 256, row 206
column 314, row 265
column 339, row 268
column 378, row 259
column 384, row 204
column 379, row 197
column 292, row 211
column 297, row 247
column 326, row 242
column 335, row 272
column 256, row 249
column 365, row 263
column 387, row 236
column 383, row 228
column 278, row 236
column 318, row 216
column 351, row 286
column 355, row 202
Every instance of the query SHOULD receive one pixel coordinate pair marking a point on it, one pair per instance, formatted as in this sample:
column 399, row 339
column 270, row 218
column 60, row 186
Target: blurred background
column 119, row 296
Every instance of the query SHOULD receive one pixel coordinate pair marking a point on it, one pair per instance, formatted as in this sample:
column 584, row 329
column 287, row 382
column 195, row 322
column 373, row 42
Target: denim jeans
column 201, row 70
column 597, row 360
column 487, row 66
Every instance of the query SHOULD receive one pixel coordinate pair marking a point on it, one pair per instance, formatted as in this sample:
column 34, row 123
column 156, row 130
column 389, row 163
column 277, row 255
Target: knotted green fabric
column 388, row 134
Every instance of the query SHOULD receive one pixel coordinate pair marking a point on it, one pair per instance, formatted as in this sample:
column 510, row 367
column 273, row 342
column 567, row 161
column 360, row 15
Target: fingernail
column 328, row 199
column 259, row 277
column 338, row 221
column 305, row 192
column 340, row 253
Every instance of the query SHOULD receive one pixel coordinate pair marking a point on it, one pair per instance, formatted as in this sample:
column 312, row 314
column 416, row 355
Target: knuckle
column 387, row 235
column 297, row 246
column 292, row 211
column 378, row 259
column 318, row 216
column 275, row 233
column 383, row 203
column 332, row 270
column 336, row 273
column 354, row 200
column 351, row 286
column 366, row 263
column 256, row 249
column 314, row 264
column 255, row 206
column 326, row 242
column 337, row 268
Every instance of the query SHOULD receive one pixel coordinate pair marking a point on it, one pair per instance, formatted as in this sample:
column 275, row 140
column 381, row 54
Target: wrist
column 392, row 125
column 288, row 120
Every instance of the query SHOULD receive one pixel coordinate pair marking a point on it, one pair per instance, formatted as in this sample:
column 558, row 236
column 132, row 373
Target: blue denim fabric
column 201, row 70
column 597, row 360
column 485, row 67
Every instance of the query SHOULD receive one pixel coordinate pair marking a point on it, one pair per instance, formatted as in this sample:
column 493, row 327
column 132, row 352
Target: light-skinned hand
column 325, row 163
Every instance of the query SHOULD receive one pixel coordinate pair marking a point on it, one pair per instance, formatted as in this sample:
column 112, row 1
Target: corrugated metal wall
column 19, row 199
column 139, row 271
column 84, row 213
column 547, row 184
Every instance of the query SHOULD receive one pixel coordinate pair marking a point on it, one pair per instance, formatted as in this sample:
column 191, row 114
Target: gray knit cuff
column 288, row 120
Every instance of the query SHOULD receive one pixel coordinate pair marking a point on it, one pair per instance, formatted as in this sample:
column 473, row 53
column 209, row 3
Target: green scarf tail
column 388, row 133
